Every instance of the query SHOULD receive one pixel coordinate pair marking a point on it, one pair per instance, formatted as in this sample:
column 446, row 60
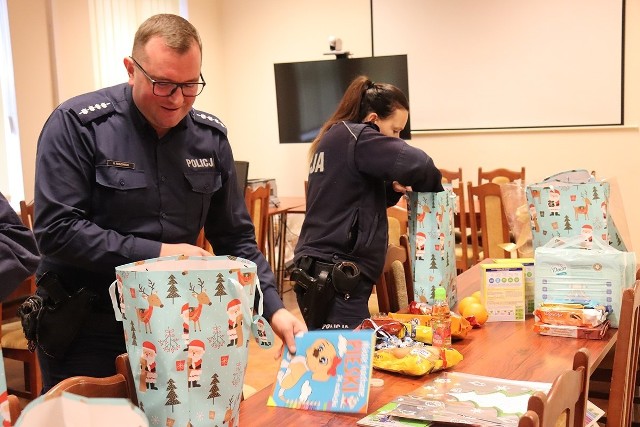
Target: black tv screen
column 307, row 93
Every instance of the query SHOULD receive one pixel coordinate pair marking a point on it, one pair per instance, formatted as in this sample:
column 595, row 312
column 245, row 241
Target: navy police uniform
column 19, row 255
column 109, row 191
column 349, row 189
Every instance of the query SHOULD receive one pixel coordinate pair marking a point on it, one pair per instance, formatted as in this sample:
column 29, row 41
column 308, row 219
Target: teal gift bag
column 187, row 324
column 5, row 417
column 432, row 244
column 571, row 203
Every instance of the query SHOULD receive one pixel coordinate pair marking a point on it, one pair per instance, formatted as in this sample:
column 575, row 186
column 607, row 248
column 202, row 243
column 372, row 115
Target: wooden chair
column 394, row 288
column 623, row 376
column 203, row 243
column 112, row 386
column 397, row 215
column 27, row 213
column 500, row 176
column 12, row 339
column 258, row 206
column 449, row 177
column 567, row 397
column 529, row 419
column 463, row 248
column 123, row 367
column 493, row 222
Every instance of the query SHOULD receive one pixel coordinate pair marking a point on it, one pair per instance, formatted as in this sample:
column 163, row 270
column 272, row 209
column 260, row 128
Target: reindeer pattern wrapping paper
column 569, row 204
column 187, row 324
column 432, row 244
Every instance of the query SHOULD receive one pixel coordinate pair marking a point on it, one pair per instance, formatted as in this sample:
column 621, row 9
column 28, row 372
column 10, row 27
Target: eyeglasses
column 163, row 88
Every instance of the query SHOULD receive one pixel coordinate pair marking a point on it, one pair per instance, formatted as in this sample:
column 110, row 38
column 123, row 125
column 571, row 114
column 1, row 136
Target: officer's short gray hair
column 177, row 32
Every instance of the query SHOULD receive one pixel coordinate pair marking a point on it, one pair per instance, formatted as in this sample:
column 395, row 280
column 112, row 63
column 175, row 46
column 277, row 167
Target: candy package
column 459, row 325
column 416, row 360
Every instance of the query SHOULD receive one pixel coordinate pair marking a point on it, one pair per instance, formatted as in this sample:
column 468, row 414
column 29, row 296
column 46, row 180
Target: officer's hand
column 287, row 326
column 168, row 249
column 399, row 188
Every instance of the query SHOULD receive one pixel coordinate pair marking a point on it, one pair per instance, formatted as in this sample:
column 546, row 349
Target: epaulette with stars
column 209, row 120
column 88, row 113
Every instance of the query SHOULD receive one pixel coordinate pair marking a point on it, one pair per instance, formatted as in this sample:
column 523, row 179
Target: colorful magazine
column 455, row 398
column 331, row 372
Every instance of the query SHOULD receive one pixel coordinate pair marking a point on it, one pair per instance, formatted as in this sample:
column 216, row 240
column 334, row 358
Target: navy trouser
column 93, row 352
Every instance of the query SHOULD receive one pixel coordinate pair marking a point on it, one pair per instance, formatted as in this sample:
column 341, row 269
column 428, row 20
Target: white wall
column 244, row 38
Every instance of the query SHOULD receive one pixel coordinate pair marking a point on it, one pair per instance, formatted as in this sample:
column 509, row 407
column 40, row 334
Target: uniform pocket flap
column 120, row 179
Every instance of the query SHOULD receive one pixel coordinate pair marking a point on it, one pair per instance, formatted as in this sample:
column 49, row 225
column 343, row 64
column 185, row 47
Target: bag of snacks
column 415, row 360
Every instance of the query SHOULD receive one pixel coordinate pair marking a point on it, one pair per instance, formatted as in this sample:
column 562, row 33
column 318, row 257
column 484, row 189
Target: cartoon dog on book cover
column 325, row 374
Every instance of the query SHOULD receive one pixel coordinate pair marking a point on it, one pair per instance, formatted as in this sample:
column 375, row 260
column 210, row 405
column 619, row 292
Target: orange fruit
column 465, row 302
column 478, row 311
column 477, row 295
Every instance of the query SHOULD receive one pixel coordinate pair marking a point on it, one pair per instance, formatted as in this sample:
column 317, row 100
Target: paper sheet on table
column 71, row 410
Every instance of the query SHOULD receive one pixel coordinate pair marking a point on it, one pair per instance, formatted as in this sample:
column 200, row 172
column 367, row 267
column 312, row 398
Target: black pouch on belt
column 345, row 277
column 316, row 292
column 61, row 316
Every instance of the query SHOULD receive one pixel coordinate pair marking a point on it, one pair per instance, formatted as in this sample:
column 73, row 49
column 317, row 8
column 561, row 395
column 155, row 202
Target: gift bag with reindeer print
column 432, row 244
column 187, row 324
column 570, row 204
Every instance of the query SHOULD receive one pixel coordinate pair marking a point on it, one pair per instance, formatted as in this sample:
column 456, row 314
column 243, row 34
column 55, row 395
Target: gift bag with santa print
column 187, row 324
column 5, row 417
column 569, row 204
column 432, row 244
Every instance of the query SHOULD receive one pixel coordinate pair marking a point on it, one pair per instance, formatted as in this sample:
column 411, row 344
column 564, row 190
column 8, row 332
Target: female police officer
column 358, row 167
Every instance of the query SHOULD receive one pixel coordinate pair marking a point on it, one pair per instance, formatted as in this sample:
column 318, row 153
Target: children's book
column 459, row 399
column 330, row 371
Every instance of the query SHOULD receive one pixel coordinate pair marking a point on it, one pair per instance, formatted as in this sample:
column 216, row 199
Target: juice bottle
column 441, row 319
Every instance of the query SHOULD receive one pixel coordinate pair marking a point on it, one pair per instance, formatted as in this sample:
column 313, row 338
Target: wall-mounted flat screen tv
column 308, row 93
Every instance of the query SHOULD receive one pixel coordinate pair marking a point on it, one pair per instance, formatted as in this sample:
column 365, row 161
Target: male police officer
column 132, row 172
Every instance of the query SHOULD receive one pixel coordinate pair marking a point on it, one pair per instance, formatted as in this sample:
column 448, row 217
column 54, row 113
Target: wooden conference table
column 510, row 350
column 277, row 234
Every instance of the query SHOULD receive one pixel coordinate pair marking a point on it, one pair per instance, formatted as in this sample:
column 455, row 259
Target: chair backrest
column 529, row 419
column 500, row 176
column 203, row 243
column 123, row 367
column 401, row 215
column 113, row 386
column 242, row 174
column 448, row 177
column 27, row 213
column 460, row 223
column 494, row 228
column 394, row 288
column 567, row 396
column 625, row 361
column 257, row 201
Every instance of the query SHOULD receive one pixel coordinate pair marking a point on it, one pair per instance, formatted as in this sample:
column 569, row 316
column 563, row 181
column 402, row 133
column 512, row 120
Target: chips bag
column 416, row 360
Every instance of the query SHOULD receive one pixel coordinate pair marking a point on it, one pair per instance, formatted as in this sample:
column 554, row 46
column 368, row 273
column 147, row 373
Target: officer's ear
column 371, row 117
column 129, row 66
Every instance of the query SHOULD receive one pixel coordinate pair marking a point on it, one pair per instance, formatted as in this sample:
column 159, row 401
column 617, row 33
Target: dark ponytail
column 362, row 97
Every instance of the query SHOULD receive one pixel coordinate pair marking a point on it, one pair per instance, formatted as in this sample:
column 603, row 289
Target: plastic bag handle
column 246, row 305
column 114, row 301
column 575, row 241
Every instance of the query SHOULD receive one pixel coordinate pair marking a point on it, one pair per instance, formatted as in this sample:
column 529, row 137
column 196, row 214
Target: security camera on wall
column 335, row 48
